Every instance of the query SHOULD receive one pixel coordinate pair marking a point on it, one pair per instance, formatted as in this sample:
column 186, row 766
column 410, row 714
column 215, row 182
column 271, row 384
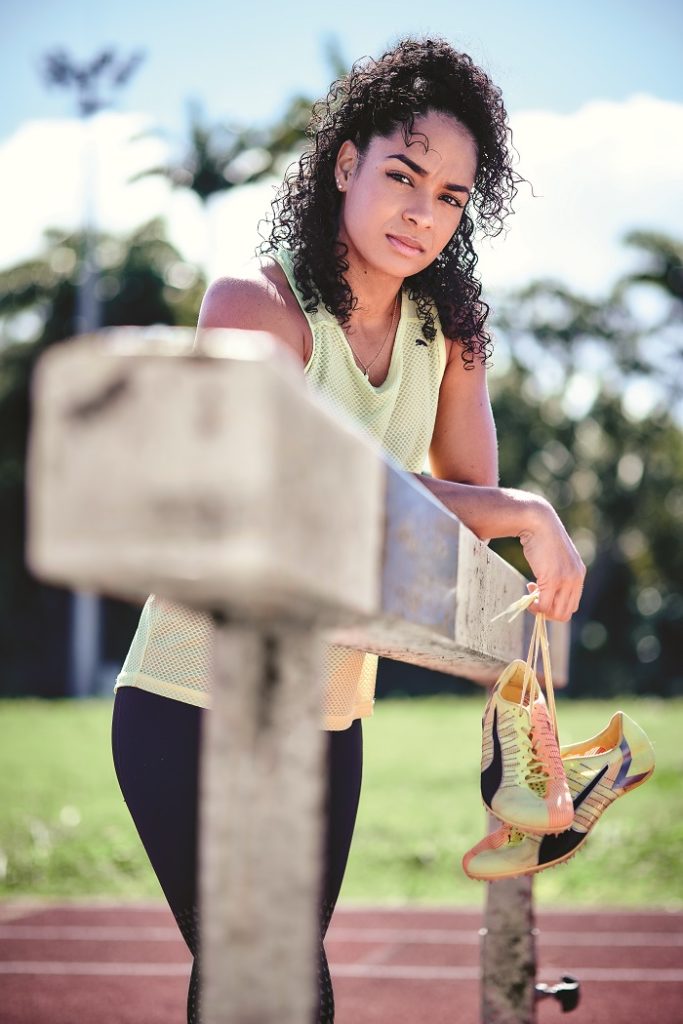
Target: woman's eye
column 397, row 176
column 450, row 199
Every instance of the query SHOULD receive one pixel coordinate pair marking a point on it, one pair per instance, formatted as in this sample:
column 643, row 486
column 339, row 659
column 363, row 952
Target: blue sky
column 594, row 90
column 244, row 60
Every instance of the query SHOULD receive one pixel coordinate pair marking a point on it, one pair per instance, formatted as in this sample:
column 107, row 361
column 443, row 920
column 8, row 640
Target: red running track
column 104, row 964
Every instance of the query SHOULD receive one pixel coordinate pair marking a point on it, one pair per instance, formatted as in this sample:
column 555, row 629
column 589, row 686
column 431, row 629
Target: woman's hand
column 505, row 512
column 554, row 561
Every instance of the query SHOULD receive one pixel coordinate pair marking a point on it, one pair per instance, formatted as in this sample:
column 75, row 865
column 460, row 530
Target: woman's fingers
column 558, row 600
column 558, row 569
column 554, row 607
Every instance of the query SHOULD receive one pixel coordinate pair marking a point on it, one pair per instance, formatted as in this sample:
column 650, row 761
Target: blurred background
column 139, row 150
column 140, row 145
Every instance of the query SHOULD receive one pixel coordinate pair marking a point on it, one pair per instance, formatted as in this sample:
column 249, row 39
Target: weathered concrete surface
column 261, row 803
column 214, row 480
column 509, row 954
column 440, row 590
column 221, row 482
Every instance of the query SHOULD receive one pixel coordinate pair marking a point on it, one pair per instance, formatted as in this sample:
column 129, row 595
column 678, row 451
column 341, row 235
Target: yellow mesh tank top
column 171, row 649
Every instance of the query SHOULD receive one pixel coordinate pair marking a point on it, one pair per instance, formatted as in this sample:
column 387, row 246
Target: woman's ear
column 347, row 161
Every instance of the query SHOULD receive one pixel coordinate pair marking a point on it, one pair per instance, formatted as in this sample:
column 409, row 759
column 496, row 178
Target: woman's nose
column 419, row 212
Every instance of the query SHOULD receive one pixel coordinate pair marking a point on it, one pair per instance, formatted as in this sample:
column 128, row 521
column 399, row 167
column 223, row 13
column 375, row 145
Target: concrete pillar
column 509, row 954
column 261, row 801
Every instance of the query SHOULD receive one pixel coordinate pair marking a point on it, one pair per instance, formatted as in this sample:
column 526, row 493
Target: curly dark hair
column 376, row 98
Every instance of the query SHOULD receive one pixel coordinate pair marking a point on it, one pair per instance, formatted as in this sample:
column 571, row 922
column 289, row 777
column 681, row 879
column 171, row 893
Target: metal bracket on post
column 567, row 992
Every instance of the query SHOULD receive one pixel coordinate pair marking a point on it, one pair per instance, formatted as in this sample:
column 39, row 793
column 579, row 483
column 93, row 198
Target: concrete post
column 261, row 802
column 508, row 963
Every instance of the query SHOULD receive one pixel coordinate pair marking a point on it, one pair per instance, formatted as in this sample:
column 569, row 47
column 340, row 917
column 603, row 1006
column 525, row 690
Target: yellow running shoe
column 522, row 778
column 599, row 770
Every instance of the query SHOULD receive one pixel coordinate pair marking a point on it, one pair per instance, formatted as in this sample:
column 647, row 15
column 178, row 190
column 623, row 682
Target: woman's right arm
column 261, row 302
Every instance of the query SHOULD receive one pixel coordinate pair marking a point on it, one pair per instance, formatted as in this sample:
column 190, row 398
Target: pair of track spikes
column 547, row 797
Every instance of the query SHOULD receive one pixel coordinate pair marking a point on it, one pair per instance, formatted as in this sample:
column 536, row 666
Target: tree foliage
column 571, row 428
column 218, row 157
column 143, row 281
column 587, row 399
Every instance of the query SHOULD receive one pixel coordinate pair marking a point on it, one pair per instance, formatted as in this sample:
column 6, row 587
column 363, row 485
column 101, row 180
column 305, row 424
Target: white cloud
column 605, row 169
column 43, row 175
column 600, row 172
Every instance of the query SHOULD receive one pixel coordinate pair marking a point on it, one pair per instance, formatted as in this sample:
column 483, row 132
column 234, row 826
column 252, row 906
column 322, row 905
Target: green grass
column 65, row 831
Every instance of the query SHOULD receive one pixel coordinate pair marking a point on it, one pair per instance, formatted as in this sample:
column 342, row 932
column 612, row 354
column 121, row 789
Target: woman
column 368, row 277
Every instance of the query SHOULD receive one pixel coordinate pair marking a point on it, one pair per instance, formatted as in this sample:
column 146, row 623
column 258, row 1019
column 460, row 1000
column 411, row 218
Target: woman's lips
column 404, row 247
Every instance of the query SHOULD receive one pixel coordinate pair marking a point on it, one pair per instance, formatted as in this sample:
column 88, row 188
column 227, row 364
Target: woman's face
column 402, row 203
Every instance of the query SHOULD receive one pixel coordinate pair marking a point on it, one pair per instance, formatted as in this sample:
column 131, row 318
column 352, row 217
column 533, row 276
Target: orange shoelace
column 544, row 762
column 539, row 644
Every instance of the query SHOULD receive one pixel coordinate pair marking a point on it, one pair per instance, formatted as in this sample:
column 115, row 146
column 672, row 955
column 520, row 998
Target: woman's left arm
column 464, row 460
column 464, row 447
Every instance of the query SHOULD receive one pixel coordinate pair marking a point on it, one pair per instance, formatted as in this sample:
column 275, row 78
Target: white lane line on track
column 31, row 906
column 89, row 933
column 101, row 969
column 340, row 933
column 406, row 972
column 471, row 938
column 425, row 973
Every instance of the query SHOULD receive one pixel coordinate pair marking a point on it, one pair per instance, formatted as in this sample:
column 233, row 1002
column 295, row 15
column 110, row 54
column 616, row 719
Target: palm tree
column 61, row 70
column 213, row 159
column 220, row 157
column 216, row 159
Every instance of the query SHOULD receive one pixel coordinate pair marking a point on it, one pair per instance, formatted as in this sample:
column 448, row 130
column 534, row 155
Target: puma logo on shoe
column 492, row 776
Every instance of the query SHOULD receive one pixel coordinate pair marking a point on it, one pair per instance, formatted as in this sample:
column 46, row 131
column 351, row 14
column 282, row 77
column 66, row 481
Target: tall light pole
column 94, row 82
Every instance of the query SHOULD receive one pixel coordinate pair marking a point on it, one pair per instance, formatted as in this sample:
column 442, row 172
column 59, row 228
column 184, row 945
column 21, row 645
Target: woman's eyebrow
column 423, row 173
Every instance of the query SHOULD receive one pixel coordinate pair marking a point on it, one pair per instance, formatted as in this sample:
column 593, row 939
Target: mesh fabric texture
column 171, row 650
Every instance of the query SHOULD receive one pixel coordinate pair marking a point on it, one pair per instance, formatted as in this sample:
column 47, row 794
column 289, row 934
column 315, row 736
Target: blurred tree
column 94, row 83
column 665, row 269
column 629, row 336
column 216, row 158
column 104, row 72
column 143, row 281
column 588, row 411
column 221, row 157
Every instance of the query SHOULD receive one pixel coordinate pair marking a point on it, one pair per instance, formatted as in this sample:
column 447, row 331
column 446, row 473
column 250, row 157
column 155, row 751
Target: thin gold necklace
column 363, row 367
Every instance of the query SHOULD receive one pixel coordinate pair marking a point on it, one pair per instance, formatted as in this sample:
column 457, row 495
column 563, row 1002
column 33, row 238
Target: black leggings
column 155, row 743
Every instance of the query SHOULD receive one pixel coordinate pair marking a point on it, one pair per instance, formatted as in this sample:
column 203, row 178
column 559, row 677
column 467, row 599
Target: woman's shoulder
column 258, row 298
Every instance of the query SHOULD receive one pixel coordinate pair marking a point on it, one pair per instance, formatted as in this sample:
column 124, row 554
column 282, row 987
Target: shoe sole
column 534, row 870
column 523, row 826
